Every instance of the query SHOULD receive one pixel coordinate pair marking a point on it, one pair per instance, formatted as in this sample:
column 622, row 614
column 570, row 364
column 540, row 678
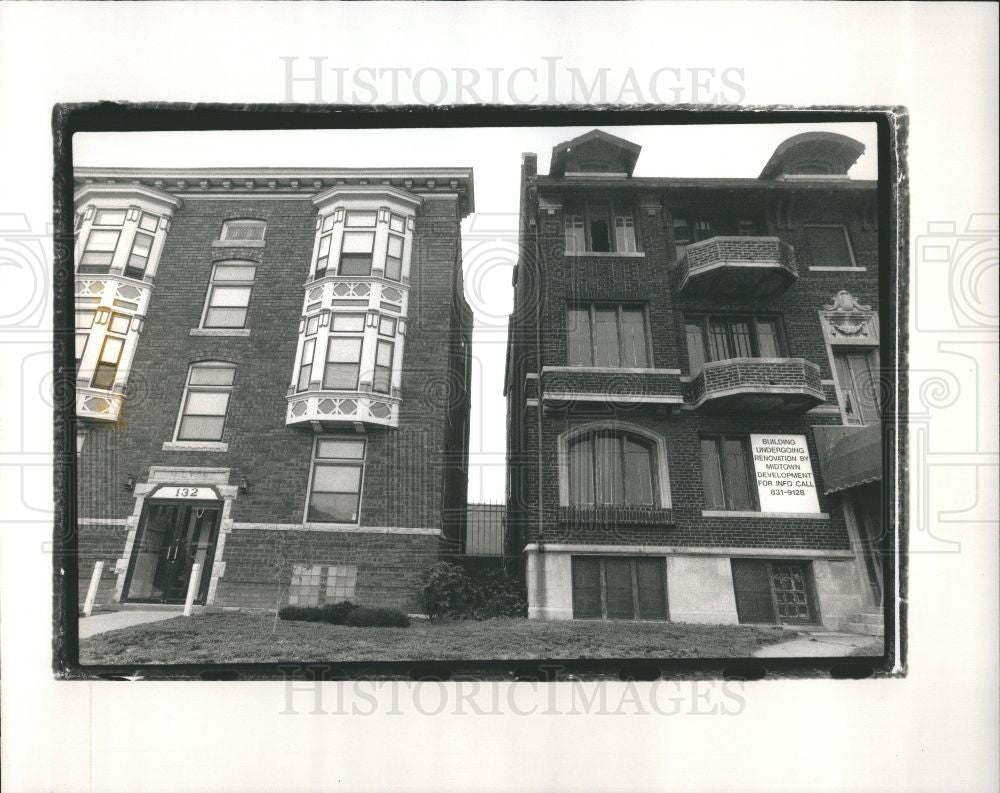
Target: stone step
column 863, row 628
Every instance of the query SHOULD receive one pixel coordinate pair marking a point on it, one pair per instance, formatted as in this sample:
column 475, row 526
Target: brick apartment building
column 272, row 382
column 692, row 393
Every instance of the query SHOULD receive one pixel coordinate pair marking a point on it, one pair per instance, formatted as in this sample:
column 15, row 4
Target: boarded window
column 619, row 587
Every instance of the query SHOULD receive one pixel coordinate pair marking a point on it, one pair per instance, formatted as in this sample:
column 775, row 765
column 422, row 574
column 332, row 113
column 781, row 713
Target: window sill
column 244, row 332
column 238, row 243
column 195, row 446
column 607, row 255
column 820, row 269
column 736, row 513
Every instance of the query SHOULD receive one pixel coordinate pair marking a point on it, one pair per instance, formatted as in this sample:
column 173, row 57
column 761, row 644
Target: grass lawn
column 247, row 638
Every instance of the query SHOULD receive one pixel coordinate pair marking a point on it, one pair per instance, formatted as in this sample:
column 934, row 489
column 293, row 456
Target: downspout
column 540, row 572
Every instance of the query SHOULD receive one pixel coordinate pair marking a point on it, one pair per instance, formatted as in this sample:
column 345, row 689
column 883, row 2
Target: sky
column 489, row 236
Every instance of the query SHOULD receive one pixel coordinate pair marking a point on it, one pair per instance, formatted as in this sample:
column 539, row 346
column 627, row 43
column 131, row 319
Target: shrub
column 364, row 617
column 337, row 613
column 300, row 613
column 448, row 591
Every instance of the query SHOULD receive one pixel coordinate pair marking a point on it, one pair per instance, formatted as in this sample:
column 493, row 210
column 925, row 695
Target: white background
column 935, row 730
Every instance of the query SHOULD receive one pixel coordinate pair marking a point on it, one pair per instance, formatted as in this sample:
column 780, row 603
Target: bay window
column 110, row 356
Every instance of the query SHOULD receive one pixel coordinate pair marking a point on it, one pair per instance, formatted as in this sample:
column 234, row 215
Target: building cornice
column 284, row 182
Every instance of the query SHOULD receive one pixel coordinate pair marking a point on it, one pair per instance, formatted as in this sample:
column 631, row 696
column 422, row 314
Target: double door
column 172, row 537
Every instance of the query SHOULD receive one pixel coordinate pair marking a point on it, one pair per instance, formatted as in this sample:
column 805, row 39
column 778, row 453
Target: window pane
column 734, row 467
column 397, row 223
column 109, row 217
column 387, row 326
column 600, row 238
column 230, row 296
column 395, row 246
column 104, row 375
column 356, row 264
column 225, row 317
column 212, row 375
column 638, row 473
column 324, row 245
column 337, row 478
column 576, row 240
column 608, row 475
column 586, row 588
column 606, row 337
column 618, row 576
column 112, row 350
column 364, row 219
column 633, row 338
column 148, row 222
column 201, row 428
column 828, row 246
column 312, row 325
column 742, row 347
column 234, row 272
column 393, row 268
column 327, row 223
column 104, row 241
column 581, row 472
column 718, row 340
column 383, row 354
column 333, row 507
column 349, row 323
column 119, row 323
column 359, row 241
column 206, row 403
column 141, row 244
column 578, row 336
column 85, row 319
column 624, row 234
column 767, row 338
column 348, row 450
column 341, row 375
column 711, row 474
column 344, row 350
column 696, row 346
column 81, row 344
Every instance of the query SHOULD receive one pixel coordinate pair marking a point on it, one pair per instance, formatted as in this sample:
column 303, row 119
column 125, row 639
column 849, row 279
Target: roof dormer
column 595, row 153
column 811, row 155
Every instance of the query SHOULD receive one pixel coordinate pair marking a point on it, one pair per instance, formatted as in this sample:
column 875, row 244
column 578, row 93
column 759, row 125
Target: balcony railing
column 98, row 404
column 753, row 267
column 564, row 386
column 788, row 385
column 336, row 408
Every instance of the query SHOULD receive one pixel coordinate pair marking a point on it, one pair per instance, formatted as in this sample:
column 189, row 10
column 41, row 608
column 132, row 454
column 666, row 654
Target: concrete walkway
column 112, row 620
column 818, row 644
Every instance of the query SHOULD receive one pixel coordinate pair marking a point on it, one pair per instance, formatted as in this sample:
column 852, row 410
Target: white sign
column 186, row 492
column 784, row 473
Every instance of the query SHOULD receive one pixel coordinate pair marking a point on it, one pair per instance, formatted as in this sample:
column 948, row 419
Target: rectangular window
column 323, row 254
column 727, row 473
column 348, row 323
column 148, row 222
column 110, row 217
column 600, row 228
column 608, row 335
column 110, row 355
column 382, row 381
column 229, row 295
column 720, row 338
column 343, row 363
column 335, row 483
column 243, row 230
column 397, row 223
column 99, row 251
column 619, row 587
column 138, row 257
column 394, row 258
column 306, row 364
column 829, row 246
column 84, row 321
column 387, row 326
column 356, row 252
column 206, row 401
column 769, row 592
column 361, row 219
column 857, row 379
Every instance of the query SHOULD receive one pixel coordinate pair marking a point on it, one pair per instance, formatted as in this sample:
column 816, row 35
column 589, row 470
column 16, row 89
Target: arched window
column 612, row 467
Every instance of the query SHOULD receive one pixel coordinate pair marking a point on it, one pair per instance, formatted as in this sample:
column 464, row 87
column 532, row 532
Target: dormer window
column 243, row 230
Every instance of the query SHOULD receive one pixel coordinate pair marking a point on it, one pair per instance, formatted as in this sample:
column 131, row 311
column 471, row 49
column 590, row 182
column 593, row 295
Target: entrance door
column 172, row 537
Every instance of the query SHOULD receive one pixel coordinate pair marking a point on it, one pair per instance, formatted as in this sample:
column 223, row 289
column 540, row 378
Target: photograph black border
column 893, row 224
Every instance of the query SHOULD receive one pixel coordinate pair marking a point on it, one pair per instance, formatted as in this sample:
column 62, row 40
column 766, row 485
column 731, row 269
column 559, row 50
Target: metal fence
column 485, row 525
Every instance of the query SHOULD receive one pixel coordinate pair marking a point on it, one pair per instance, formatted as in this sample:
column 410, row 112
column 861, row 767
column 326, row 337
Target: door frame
column 185, row 507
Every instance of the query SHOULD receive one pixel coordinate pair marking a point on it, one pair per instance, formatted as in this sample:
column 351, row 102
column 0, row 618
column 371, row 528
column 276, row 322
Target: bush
column 364, row 617
column 448, row 591
column 333, row 613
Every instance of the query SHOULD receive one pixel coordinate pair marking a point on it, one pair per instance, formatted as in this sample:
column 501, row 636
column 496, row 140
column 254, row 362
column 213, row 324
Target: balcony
column 98, row 404
column 786, row 385
column 755, row 268
column 568, row 386
column 336, row 408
